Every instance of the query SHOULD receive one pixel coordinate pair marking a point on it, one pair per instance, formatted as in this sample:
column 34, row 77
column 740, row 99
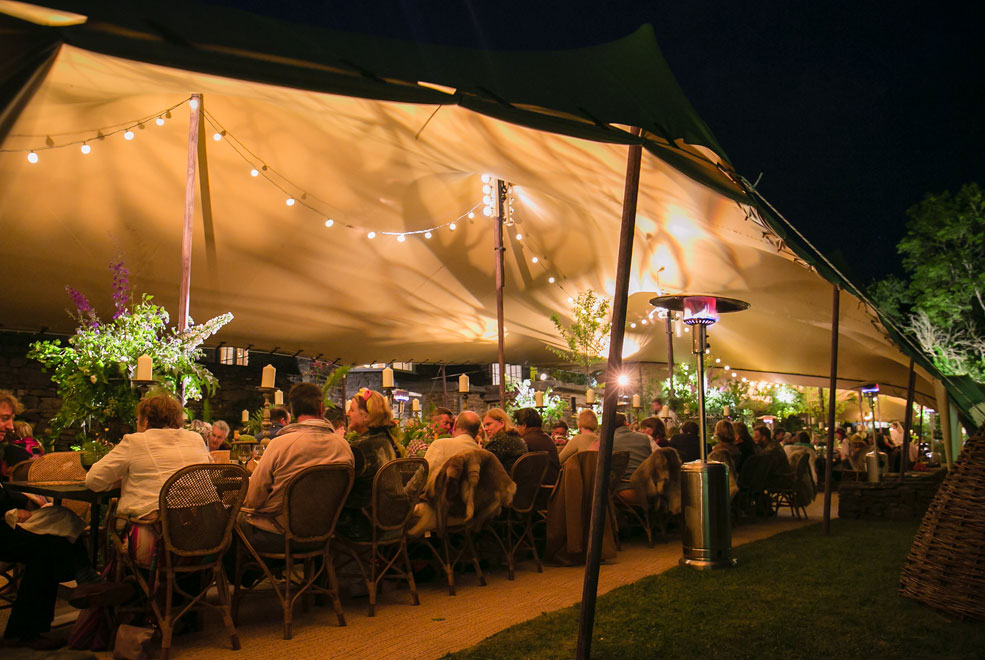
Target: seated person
column 336, row 417
column 309, row 441
column 588, row 425
column 144, row 461
column 464, row 431
column 687, row 443
column 502, row 440
column 743, row 440
column 279, row 418
column 218, row 436
column 726, row 441
column 442, row 422
column 559, row 433
column 528, row 425
column 654, row 428
column 638, row 446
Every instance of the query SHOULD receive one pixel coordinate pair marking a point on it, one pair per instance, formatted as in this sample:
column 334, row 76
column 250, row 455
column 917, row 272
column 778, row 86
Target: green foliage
column 520, row 394
column 942, row 304
column 93, row 368
column 254, row 426
column 587, row 338
column 332, row 382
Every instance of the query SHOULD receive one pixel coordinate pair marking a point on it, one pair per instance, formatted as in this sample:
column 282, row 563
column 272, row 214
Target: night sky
column 851, row 112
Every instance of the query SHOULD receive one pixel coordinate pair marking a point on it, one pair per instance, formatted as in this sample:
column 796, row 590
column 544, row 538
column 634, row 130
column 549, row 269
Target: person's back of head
column 656, row 425
column 741, row 431
column 335, row 415
column 527, row 417
column 588, row 421
column 560, row 426
column 161, row 411
column 803, row 438
column 467, row 423
column 690, row 428
column 306, row 400
column 764, row 433
column 279, row 415
column 724, row 432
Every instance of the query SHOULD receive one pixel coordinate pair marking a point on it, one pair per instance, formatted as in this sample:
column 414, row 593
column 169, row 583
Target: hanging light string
column 95, row 134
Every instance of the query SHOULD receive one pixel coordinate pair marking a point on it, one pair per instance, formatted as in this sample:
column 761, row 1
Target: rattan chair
column 617, row 470
column 796, row 490
column 312, row 503
column 20, row 470
column 514, row 529
column 198, row 507
column 397, row 488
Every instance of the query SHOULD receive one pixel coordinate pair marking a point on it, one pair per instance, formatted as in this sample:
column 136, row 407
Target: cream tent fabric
column 295, row 284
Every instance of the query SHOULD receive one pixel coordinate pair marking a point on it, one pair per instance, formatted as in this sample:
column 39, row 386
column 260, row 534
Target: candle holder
column 268, row 395
column 143, row 386
column 388, row 393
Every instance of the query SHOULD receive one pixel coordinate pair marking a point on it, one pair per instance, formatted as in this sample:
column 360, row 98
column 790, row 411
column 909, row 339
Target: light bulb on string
column 570, row 300
column 551, row 279
column 718, row 360
column 254, row 172
column 289, row 201
column 487, row 200
column 85, row 148
column 329, row 222
column 734, row 375
column 486, row 189
column 401, row 238
column 643, row 321
column 453, row 226
column 728, row 368
column 427, row 234
column 487, row 211
column 519, row 237
column 632, row 325
column 159, row 121
column 471, row 215
column 32, row 157
column 128, row 135
column 371, row 235
column 485, row 178
column 217, row 136
column 534, row 260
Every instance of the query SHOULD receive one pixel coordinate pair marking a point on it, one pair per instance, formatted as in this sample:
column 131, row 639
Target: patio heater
column 876, row 462
column 707, row 533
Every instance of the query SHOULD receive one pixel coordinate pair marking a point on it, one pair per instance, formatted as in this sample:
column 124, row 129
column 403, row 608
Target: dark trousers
column 47, row 561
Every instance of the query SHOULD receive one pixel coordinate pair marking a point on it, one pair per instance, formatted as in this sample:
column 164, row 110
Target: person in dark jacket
column 743, row 440
column 686, row 442
column 528, row 425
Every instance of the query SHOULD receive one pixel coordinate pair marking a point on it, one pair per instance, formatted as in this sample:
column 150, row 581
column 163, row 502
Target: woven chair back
column 528, row 474
column 397, row 488
column 21, row 470
column 314, row 501
column 198, row 507
column 57, row 466
column 617, row 469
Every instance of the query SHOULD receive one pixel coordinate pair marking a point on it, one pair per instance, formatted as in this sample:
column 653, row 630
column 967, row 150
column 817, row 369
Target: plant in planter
column 93, row 368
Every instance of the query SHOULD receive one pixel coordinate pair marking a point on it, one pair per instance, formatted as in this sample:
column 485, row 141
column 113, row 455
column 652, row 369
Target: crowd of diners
column 364, row 435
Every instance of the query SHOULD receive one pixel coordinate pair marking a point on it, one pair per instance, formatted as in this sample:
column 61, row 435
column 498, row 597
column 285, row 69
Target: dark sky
column 851, row 111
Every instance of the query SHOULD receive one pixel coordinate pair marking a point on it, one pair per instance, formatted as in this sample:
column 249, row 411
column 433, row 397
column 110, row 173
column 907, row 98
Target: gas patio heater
column 707, row 533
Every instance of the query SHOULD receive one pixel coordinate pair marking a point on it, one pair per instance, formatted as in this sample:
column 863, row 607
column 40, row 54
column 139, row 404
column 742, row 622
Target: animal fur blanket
column 467, row 490
column 657, row 481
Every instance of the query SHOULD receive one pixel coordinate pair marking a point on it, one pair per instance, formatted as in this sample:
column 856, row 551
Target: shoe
column 97, row 594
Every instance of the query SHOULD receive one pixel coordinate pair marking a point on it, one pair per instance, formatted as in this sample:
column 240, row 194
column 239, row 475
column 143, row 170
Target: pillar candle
column 246, row 416
column 415, row 405
column 278, row 398
column 636, row 401
column 463, row 384
column 726, row 410
column 539, row 399
column 269, row 373
column 388, row 377
column 145, row 367
column 590, row 396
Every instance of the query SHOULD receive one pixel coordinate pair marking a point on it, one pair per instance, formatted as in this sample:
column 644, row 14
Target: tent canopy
column 393, row 158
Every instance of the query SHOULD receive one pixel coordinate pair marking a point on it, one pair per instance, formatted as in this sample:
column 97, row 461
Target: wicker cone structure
column 946, row 565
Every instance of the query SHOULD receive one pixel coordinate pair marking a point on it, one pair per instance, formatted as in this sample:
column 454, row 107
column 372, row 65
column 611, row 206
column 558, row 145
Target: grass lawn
column 794, row 595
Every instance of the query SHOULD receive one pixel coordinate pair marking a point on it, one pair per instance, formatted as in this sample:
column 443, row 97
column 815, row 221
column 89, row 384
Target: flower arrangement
column 93, row 368
column 523, row 395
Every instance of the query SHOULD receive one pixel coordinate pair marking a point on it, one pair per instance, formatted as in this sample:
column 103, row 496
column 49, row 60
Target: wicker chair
column 313, row 502
column 397, row 487
column 617, row 470
column 19, row 472
column 198, row 507
column 514, row 528
column 798, row 492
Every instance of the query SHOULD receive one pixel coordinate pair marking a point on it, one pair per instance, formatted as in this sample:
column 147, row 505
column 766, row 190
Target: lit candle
column 590, row 396
column 636, row 401
column 415, row 405
column 539, row 399
column 463, row 384
column 246, row 416
column 278, row 398
column 145, row 367
column 269, row 373
column 726, row 410
column 387, row 377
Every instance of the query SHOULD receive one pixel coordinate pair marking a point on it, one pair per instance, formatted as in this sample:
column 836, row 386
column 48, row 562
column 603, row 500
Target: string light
column 85, row 148
column 734, row 375
column 519, row 237
column 486, row 178
column 534, row 260
column 254, row 172
column 632, row 325
column 571, row 300
column 371, row 235
column 453, row 226
column 401, row 238
column 643, row 321
column 32, row 157
column 427, row 234
column 218, row 136
column 728, row 368
column 471, row 214
column 487, row 211
column 551, row 279
column 159, row 121
column 329, row 222
column 289, row 201
column 128, row 135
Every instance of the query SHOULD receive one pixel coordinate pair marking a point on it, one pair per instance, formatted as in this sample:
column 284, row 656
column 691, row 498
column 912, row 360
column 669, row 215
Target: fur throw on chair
column 722, row 456
column 657, row 481
column 468, row 489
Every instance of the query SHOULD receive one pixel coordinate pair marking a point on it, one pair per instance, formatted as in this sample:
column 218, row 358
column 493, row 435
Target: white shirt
column 444, row 448
column 144, row 461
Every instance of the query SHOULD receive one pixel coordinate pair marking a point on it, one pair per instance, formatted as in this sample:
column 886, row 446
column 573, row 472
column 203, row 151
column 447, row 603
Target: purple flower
column 121, row 287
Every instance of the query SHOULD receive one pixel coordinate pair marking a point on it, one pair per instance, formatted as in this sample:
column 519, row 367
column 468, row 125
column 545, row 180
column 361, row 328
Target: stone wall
column 889, row 499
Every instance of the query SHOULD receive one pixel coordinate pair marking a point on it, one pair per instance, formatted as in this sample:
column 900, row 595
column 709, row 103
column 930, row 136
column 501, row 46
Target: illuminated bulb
column 254, row 172
column 289, row 201
column 623, row 380
column 707, row 351
column 486, row 178
column 570, row 300
column 32, row 157
column 643, row 321
column 745, row 380
column 427, row 234
column 728, row 368
column 85, row 148
column 543, row 376
column 718, row 360
column 371, row 235
column 487, row 200
column 193, row 104
column 534, row 260
column 217, row 136
column 401, row 238
column 734, row 375
column 687, row 328
column 128, row 135
column 551, row 280
column 486, row 189
column 453, row 226
column 159, row 121
column 471, row 215
column 329, row 222
column 519, row 237
column 632, row 325
column 487, row 211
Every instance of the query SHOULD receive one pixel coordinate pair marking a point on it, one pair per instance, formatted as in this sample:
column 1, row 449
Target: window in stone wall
column 514, row 372
column 234, row 356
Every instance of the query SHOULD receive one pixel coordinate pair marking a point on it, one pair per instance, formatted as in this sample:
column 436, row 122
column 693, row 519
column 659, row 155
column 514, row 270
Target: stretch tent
column 395, row 158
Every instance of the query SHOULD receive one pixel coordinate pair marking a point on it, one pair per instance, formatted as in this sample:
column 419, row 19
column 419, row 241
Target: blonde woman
column 503, row 440
column 588, row 425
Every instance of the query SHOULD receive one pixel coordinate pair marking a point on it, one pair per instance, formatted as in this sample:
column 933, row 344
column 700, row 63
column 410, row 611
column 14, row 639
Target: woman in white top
column 146, row 459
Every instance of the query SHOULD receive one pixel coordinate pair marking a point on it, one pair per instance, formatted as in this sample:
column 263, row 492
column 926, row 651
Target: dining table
column 71, row 490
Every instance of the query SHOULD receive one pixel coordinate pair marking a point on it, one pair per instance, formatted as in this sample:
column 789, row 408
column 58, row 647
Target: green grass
column 794, row 595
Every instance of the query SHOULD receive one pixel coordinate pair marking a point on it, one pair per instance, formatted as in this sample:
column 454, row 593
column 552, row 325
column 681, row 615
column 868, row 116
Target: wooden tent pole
column 600, row 496
column 833, row 385
column 195, row 114
column 907, row 421
column 500, row 281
